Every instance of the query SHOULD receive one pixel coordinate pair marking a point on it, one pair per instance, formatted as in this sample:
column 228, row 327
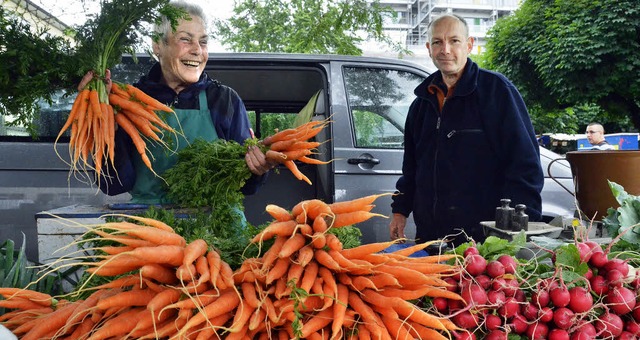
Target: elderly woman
column 205, row 109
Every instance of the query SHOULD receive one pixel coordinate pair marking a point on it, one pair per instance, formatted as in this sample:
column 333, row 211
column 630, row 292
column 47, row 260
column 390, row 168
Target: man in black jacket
column 468, row 143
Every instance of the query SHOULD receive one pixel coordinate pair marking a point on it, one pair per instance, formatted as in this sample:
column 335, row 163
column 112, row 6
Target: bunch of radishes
column 594, row 298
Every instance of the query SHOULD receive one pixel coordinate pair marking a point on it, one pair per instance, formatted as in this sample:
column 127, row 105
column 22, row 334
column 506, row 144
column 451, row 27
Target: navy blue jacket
column 460, row 162
column 227, row 113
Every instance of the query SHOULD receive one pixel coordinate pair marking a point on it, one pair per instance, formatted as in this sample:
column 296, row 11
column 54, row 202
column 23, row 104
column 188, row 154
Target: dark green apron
column 194, row 123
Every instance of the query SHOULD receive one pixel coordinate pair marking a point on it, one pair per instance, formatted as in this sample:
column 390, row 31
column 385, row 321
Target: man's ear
column 470, row 41
column 428, row 46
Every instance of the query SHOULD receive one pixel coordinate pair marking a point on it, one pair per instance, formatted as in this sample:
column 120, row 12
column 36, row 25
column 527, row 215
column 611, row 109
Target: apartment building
column 37, row 17
column 409, row 26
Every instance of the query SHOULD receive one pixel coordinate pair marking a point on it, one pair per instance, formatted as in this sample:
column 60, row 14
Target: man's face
column 449, row 46
column 595, row 134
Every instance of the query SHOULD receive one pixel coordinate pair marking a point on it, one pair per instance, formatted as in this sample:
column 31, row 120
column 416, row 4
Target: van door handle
column 365, row 160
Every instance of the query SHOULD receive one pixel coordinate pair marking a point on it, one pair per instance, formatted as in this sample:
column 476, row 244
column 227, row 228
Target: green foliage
column 304, row 26
column 624, row 222
column 17, row 272
column 493, row 246
column 270, row 123
column 567, row 53
column 33, row 66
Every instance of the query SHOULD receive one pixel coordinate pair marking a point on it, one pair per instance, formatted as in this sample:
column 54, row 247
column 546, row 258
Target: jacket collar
column 152, row 83
column 467, row 83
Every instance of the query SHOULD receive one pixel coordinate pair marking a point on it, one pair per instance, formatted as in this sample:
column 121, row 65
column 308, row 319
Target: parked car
column 366, row 99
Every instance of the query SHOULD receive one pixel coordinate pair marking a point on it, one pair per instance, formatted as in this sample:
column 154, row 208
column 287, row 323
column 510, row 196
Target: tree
column 304, row 26
column 567, row 53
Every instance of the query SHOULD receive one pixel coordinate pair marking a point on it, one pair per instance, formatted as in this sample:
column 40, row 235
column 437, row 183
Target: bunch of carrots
column 291, row 145
column 305, row 286
column 93, row 118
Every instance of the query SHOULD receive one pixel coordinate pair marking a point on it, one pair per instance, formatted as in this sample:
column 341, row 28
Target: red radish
column 471, row 251
column 455, row 305
column 520, row 296
column 466, row 320
column 621, row 300
column 474, row 295
column 518, row 324
column 617, row 264
column 495, row 297
column 441, row 304
column 636, row 314
column 492, row 322
column 511, row 287
column 509, row 262
column 498, row 284
column 598, row 259
column 581, row 335
column 609, row 325
column 626, row 336
column 475, row 264
column 585, row 251
column 537, row 330
column 530, row 311
column 453, row 284
column 560, row 296
column 580, row 300
column 496, row 335
column 599, row 285
column 632, row 327
column 558, row 334
column 495, row 269
column 586, row 328
column 545, row 314
column 484, row 281
column 509, row 308
column 589, row 274
column 540, row 298
column 563, row 317
column 615, row 278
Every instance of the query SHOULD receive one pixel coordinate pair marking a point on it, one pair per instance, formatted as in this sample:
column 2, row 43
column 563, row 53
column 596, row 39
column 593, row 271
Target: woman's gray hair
column 444, row 16
column 161, row 31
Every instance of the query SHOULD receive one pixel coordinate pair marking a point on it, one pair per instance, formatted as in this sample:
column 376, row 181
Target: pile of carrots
column 291, row 145
column 92, row 122
column 305, row 286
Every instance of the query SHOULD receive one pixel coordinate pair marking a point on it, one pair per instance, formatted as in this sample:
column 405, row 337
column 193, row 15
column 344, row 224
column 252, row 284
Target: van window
column 379, row 100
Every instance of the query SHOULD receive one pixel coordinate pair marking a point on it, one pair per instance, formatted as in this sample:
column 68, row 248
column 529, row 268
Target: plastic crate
column 620, row 141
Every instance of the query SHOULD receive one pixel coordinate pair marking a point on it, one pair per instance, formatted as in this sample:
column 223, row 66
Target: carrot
column 53, row 322
column 318, row 240
column 366, row 249
column 271, row 255
column 278, row 270
column 370, row 319
column 249, row 294
column 326, row 260
column 282, row 145
column 163, row 299
column 320, row 224
column 162, row 254
column 19, row 303
column 333, row 243
column 34, row 296
column 311, row 208
column 139, row 111
column 414, row 293
column 195, row 302
column 396, row 326
column 147, row 99
column 351, row 218
column 158, row 273
column 227, row 302
column 294, row 155
column 339, row 309
column 146, row 221
column 305, row 255
column 314, row 161
column 421, row 332
column 139, row 297
column 214, row 260
column 278, row 213
column 194, row 250
column 292, row 245
column 357, row 204
column 291, row 165
column 275, row 156
column 278, row 228
column 241, row 318
column 157, row 236
column 329, row 280
column 309, row 276
column 316, row 323
column 123, row 239
column 118, row 326
column 74, row 112
column 140, row 145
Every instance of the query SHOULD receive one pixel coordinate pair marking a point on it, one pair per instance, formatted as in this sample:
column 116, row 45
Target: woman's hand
column 89, row 76
column 257, row 162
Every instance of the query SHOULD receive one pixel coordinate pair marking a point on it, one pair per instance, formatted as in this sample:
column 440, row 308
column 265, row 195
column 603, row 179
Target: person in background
column 205, row 109
column 595, row 136
column 468, row 141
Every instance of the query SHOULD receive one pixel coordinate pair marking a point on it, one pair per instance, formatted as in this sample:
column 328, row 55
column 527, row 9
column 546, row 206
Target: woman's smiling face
column 183, row 54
